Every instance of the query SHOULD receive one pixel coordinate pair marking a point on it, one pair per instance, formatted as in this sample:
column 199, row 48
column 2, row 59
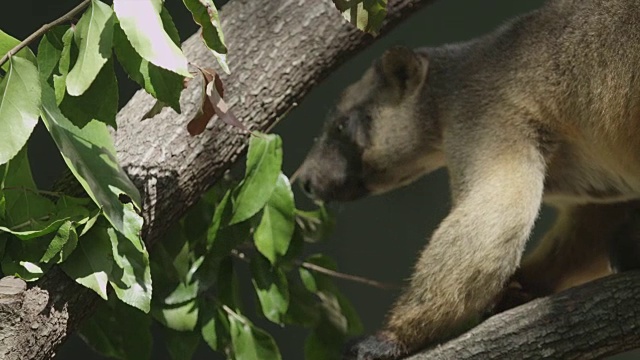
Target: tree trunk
column 279, row 49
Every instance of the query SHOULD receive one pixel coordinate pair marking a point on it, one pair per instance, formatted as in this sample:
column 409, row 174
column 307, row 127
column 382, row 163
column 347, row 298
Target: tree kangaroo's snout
column 374, row 141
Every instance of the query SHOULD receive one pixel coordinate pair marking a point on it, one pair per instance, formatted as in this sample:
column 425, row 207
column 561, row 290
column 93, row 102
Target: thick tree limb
column 279, row 49
column 595, row 320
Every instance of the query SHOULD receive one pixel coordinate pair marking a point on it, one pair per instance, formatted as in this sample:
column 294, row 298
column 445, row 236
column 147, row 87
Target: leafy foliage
column 96, row 238
column 366, row 15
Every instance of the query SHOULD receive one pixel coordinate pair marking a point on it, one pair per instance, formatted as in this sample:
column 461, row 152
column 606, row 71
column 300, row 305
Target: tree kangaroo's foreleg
column 497, row 188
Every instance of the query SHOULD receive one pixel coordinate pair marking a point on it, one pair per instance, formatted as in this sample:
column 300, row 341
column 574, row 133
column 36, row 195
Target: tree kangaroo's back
column 547, row 107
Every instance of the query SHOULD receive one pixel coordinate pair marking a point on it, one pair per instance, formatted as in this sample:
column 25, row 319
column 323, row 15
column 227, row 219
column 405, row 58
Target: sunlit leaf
column 264, row 160
column 205, row 14
column 273, row 234
column 94, row 36
column 182, row 317
column 367, row 15
column 19, row 106
column 140, row 20
column 162, row 84
column 8, row 42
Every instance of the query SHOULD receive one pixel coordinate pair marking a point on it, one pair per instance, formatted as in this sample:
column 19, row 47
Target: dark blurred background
column 378, row 237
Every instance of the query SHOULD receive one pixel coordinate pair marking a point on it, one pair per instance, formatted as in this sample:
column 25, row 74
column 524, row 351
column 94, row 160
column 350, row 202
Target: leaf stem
column 44, row 28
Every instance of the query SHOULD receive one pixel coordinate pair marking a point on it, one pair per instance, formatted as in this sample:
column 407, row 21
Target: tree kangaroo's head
column 380, row 136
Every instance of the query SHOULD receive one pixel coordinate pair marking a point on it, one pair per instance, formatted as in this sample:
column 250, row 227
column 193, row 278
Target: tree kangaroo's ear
column 403, row 69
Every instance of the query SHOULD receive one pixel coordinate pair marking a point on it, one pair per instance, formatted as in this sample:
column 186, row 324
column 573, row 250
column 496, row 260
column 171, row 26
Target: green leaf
column 33, row 215
column 90, row 155
column 67, row 57
column 189, row 286
column 227, row 285
column 273, row 234
column 91, row 263
column 205, row 14
column 174, row 266
column 119, row 331
column 29, row 214
column 324, row 343
column 94, row 36
column 141, row 22
column 367, row 15
column 99, row 102
column 271, row 287
column 214, row 326
column 63, row 243
column 264, row 161
column 20, row 258
column 50, row 51
column 250, row 342
column 131, row 279
column 162, row 84
column 217, row 221
column 336, row 307
column 19, row 106
column 8, row 42
column 182, row 317
column 303, row 307
column 181, row 344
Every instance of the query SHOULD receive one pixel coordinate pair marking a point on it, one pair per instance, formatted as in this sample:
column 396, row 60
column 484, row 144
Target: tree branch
column 43, row 29
column 278, row 51
column 597, row 319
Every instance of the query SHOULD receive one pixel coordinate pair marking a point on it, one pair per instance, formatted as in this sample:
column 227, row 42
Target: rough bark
column 279, row 49
column 598, row 319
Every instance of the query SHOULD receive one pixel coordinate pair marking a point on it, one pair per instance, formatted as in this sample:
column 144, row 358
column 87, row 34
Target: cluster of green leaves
column 71, row 85
column 366, row 15
column 252, row 223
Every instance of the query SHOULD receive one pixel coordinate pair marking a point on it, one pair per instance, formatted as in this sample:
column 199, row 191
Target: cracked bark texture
column 278, row 50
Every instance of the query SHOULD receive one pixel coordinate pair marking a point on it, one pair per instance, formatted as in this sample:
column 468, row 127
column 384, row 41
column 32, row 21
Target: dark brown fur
column 547, row 107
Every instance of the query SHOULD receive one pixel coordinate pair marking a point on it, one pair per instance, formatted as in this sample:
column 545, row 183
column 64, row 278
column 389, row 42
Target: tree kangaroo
column 545, row 108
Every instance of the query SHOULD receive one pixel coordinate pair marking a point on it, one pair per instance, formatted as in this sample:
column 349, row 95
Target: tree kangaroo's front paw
column 382, row 346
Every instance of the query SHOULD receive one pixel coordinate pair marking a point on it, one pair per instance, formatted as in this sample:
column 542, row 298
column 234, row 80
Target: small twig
column 44, row 28
column 348, row 277
column 336, row 274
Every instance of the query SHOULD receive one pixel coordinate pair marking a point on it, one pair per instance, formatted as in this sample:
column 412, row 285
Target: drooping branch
column 278, row 50
column 592, row 321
